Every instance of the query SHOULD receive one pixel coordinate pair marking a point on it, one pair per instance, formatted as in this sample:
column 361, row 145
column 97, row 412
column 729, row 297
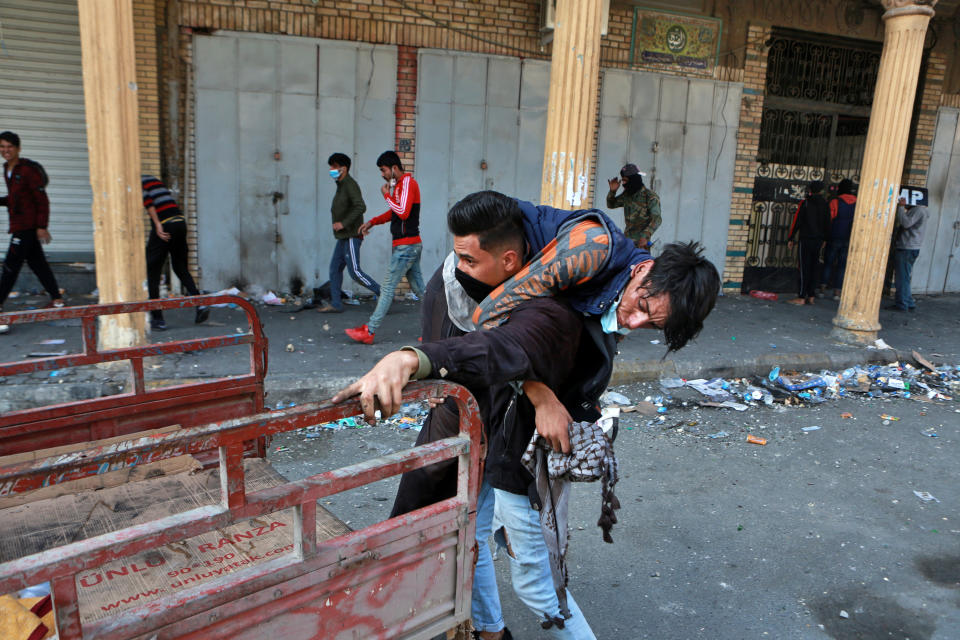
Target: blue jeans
column 486, row 612
column 404, row 261
column 346, row 253
column 529, row 566
column 903, row 260
column 837, row 251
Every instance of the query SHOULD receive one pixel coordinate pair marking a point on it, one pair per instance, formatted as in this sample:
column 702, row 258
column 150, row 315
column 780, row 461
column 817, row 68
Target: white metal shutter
column 41, row 99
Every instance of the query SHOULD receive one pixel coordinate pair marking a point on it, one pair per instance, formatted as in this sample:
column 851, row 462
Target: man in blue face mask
column 347, row 212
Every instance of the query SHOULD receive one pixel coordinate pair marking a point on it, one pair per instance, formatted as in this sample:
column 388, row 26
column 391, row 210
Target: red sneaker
column 360, row 334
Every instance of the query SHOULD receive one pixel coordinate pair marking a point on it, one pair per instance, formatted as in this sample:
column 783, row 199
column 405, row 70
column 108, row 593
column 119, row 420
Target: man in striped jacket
column 167, row 236
column 403, row 214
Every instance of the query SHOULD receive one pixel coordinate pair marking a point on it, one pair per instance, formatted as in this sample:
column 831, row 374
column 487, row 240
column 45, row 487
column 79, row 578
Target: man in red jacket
column 29, row 212
column 402, row 195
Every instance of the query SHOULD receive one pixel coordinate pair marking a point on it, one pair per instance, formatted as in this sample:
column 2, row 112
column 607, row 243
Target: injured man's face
column 638, row 309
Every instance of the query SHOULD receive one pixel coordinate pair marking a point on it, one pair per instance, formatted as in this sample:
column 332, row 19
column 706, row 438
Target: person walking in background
column 402, row 195
column 811, row 224
column 906, row 248
column 29, row 214
column 841, row 224
column 168, row 236
column 641, row 206
column 347, row 212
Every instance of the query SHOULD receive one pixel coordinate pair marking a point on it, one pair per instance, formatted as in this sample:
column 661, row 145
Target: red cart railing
column 138, row 409
column 407, row 577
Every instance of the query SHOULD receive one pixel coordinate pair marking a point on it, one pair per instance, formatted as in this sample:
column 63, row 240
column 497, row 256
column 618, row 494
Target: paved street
column 719, row 539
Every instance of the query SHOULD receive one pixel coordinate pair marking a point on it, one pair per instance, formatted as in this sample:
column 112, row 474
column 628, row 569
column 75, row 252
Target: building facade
column 730, row 106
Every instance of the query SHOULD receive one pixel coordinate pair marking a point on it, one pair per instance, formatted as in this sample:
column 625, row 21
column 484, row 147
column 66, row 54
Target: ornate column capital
column 896, row 8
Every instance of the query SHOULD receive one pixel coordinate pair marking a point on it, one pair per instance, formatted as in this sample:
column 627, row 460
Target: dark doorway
column 814, row 127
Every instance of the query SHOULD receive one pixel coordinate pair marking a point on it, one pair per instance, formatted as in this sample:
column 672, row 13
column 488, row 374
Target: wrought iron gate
column 814, row 127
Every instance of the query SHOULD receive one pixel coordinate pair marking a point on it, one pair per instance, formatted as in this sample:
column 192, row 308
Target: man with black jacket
column 29, row 208
column 491, row 232
column 524, row 348
column 811, row 223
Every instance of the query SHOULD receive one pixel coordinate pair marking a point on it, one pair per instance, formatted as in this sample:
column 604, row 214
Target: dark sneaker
column 328, row 308
column 158, row 325
column 202, row 314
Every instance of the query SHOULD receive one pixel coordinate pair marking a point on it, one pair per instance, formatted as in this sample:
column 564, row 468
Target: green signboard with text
column 675, row 42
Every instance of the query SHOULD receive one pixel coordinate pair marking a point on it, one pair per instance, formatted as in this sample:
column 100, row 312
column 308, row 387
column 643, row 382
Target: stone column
column 572, row 107
column 857, row 320
column 110, row 94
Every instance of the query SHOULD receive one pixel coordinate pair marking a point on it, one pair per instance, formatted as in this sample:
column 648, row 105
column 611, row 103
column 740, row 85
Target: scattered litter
column 271, row 298
column 773, row 346
column 727, row 404
column 780, row 389
column 284, row 405
column 926, row 496
column 718, row 434
column 282, row 449
column 232, row 291
column 812, row 428
column 717, row 389
column 923, row 361
column 763, row 295
column 930, row 433
column 844, row 614
column 612, row 397
column 801, row 382
column 326, row 327
column 654, row 342
column 290, row 348
column 886, row 416
column 755, row 440
column 56, row 372
column 643, row 408
column 52, row 341
column 880, row 344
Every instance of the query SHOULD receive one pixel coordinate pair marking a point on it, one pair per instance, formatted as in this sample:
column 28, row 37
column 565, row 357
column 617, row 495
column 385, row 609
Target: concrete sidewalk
column 311, row 358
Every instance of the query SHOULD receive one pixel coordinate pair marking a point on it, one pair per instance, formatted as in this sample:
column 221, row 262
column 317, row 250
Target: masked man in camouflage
column 641, row 206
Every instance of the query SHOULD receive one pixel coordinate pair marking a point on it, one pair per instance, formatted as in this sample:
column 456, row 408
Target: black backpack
column 44, row 178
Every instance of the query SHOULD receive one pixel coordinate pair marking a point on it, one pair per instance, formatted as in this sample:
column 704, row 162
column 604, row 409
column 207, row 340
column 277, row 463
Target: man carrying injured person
column 564, row 357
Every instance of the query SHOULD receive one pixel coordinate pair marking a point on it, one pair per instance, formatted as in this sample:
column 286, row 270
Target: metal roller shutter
column 42, row 101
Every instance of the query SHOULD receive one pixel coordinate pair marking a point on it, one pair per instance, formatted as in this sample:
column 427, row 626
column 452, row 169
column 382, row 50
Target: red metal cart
column 406, row 577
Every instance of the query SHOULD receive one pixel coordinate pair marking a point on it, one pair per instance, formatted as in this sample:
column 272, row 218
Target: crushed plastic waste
column 895, row 380
column 926, row 496
column 411, row 416
column 763, row 295
column 612, row 397
column 718, row 434
column 271, row 298
column 811, row 428
column 232, row 291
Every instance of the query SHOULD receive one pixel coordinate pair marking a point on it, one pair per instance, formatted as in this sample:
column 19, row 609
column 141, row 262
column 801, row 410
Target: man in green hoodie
column 347, row 211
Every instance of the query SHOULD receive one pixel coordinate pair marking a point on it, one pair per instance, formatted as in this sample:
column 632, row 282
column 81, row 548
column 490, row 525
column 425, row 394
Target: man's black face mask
column 474, row 288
